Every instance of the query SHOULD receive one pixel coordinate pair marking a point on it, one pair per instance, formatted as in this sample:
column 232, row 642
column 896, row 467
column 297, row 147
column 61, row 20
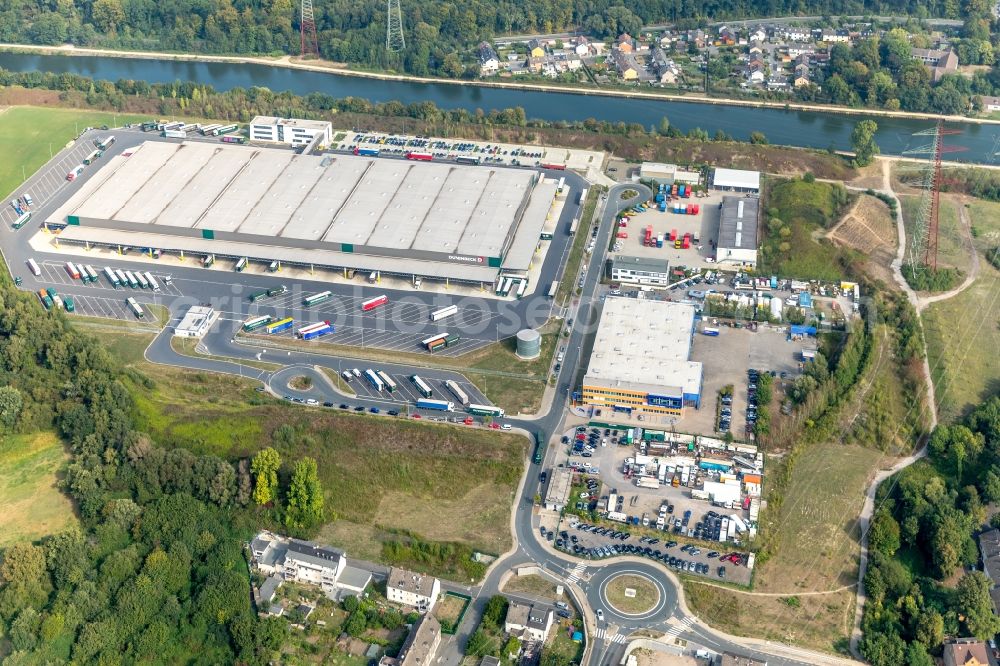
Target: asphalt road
column 227, row 293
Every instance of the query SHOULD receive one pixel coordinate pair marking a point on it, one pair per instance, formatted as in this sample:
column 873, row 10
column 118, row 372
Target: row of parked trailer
column 102, row 147
column 507, row 284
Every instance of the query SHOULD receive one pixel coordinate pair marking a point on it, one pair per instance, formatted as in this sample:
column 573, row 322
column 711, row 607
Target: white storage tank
column 776, row 308
column 529, row 343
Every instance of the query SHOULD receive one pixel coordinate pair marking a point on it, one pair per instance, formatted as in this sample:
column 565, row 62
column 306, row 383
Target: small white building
column 412, row 589
column 736, row 180
column 196, row 322
column 291, row 131
column 528, row 621
column 641, row 270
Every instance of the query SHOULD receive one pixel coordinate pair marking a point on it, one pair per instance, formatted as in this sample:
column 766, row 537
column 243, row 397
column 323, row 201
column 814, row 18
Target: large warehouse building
column 640, row 359
column 398, row 217
column 738, row 224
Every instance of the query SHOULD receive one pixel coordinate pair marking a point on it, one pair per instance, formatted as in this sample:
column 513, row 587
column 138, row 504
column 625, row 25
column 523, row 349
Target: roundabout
column 631, row 594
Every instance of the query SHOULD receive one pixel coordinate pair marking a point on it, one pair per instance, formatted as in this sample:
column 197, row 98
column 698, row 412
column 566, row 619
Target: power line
column 394, row 40
column 307, row 31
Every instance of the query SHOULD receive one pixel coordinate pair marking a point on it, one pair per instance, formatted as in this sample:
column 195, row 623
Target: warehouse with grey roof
column 738, row 224
column 359, row 213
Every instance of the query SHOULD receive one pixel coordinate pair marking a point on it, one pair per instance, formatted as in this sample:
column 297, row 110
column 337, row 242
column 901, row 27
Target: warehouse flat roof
column 352, row 204
column 291, row 122
column 738, row 223
column 736, row 178
column 645, row 264
column 286, row 255
column 644, row 345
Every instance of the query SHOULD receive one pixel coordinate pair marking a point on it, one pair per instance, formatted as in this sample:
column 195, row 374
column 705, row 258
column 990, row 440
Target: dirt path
column 973, row 270
column 868, row 509
column 814, row 593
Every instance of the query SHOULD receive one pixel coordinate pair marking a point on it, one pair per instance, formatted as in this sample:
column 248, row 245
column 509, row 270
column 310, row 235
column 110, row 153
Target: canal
column 796, row 128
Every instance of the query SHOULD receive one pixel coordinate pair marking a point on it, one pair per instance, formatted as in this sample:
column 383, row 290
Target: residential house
column 938, row 61
column 625, row 65
column 663, row 67
column 795, row 50
column 795, row 33
column 802, row 76
column 535, row 49
column 727, row 37
column 830, row 36
column 990, row 103
column 422, row 643
column 307, row 562
column 758, row 34
column 624, row 43
column 536, row 63
column 989, row 553
column 755, row 74
column 412, row 589
column 267, row 590
column 777, row 82
column 966, row 652
column 582, row 47
column 696, row 37
column 567, row 61
column 528, row 621
column 489, row 62
column 756, row 49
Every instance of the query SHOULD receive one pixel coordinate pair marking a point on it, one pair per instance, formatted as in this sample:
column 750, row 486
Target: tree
column 265, row 469
column 305, row 495
column 758, row 138
column 479, row 644
column 863, row 142
column 496, row 609
column 11, row 403
column 23, row 563
column 972, row 600
column 884, row 533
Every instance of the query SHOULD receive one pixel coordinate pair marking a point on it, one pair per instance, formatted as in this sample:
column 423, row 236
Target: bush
column 926, row 279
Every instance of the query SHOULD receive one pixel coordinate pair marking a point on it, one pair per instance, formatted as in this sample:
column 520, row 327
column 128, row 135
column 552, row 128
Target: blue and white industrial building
column 641, row 359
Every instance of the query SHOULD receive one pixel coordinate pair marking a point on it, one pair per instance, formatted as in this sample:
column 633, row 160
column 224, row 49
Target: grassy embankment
column 567, row 287
column 384, row 479
column 815, row 543
column 795, row 215
column 962, row 332
column 31, row 504
column 28, row 134
column 31, row 464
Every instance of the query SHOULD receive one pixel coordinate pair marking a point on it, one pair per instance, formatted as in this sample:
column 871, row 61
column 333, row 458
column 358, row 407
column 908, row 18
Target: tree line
column 922, row 532
column 437, row 32
column 155, row 572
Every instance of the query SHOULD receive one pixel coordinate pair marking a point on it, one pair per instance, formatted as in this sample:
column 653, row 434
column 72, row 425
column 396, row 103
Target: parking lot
column 598, row 542
column 726, row 360
column 406, row 391
column 410, row 322
column 703, row 226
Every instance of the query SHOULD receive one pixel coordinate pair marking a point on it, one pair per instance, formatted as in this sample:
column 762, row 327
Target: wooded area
column 355, row 32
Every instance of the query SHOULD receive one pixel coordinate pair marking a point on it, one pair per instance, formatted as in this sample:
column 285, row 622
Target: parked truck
column 647, row 482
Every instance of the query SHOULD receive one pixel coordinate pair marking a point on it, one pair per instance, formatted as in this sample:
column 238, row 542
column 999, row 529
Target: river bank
column 290, row 62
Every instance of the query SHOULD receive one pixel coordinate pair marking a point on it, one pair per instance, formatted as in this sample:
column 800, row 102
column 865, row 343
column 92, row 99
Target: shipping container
column 73, row 271
column 316, row 299
column 444, row 312
column 557, row 167
column 254, row 323
column 234, row 139
column 106, row 142
column 280, row 325
column 469, row 160
column 240, row 265
column 112, row 277
column 225, row 129
column 390, row 385
column 434, row 341
column 153, row 284
column 367, row 152
column 438, row 405
column 373, row 303
column 422, row 157
column 484, row 410
column 134, row 307
column 315, row 330
column 457, row 391
column 421, row 386
column 374, row 380
column 174, row 134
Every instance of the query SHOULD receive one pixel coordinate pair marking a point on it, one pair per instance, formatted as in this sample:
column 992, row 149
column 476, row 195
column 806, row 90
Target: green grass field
column 442, row 483
column 962, row 357
column 791, row 249
column 34, row 134
column 952, row 249
column 31, row 504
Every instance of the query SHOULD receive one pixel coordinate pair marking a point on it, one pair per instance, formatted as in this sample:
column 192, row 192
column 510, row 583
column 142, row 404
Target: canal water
column 797, row 128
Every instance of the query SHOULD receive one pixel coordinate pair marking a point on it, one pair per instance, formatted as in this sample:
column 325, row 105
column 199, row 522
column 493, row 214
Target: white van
column 346, row 374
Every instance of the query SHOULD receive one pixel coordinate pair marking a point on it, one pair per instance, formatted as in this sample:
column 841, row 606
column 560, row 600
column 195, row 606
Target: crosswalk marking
column 605, row 635
column 685, row 624
column 577, row 573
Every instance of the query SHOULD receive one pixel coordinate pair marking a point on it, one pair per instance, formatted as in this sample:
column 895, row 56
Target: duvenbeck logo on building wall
column 473, row 260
